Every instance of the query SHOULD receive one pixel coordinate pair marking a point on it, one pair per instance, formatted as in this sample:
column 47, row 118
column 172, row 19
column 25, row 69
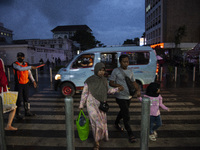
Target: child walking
column 153, row 92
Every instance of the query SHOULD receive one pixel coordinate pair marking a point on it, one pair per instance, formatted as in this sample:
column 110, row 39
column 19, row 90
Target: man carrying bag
column 123, row 98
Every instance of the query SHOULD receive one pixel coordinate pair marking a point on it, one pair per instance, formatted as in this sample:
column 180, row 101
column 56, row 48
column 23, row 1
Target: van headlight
column 57, row 77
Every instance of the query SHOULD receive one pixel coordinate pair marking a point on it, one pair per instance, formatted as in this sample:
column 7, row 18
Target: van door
column 110, row 61
column 81, row 69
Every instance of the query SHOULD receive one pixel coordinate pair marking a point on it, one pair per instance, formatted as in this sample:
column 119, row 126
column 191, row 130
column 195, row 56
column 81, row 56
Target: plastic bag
column 9, row 100
column 82, row 120
column 82, row 124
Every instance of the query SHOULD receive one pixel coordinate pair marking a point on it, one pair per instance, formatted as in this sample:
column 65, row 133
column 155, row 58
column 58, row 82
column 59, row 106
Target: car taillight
column 157, row 69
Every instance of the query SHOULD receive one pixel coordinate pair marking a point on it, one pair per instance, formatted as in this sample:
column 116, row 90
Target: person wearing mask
column 123, row 98
column 95, row 91
column 22, row 73
column 3, row 85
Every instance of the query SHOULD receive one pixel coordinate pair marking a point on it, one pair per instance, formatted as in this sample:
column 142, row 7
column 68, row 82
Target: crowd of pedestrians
column 94, row 93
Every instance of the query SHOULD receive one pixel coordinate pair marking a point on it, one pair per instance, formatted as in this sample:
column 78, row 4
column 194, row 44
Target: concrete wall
column 32, row 54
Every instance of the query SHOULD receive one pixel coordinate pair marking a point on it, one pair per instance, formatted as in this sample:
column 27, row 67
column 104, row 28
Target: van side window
column 84, row 61
column 138, row 58
column 110, row 61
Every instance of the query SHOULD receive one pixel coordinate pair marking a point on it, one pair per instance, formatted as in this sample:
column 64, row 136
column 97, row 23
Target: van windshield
column 138, row 58
column 84, row 61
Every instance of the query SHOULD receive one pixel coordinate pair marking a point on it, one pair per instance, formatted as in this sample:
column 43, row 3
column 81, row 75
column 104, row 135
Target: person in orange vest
column 22, row 73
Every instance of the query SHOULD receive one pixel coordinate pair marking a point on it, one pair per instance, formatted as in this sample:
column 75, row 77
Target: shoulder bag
column 129, row 83
column 104, row 106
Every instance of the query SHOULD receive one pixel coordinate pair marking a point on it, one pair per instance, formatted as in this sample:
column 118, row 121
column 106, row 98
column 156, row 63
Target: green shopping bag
column 82, row 124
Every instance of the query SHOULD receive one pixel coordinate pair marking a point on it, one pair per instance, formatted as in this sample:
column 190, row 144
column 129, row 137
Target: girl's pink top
column 155, row 103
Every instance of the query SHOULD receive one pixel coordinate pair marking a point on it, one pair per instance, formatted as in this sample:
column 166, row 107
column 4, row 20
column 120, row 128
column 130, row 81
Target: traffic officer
column 22, row 73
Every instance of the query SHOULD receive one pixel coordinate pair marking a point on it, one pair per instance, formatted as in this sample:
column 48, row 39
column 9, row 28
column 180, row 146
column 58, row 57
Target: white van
column 142, row 62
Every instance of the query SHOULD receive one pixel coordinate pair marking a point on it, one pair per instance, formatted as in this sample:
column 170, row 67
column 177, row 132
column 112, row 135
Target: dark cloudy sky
column 112, row 21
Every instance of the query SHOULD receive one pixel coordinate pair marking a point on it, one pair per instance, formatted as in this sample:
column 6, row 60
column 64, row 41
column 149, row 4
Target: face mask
column 20, row 60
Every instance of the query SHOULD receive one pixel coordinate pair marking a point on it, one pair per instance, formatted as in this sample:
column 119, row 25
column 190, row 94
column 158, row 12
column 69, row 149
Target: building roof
column 71, row 28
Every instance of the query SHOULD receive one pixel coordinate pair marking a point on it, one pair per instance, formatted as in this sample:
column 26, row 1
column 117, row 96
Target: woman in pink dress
column 95, row 91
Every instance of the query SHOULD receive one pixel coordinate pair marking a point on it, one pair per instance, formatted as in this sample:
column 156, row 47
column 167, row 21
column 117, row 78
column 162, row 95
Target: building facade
column 164, row 18
column 35, row 49
column 56, row 45
column 6, row 35
column 68, row 31
column 33, row 54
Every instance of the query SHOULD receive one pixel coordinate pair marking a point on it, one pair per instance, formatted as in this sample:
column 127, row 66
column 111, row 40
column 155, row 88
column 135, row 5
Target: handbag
column 129, row 83
column 9, row 100
column 82, row 124
column 104, row 106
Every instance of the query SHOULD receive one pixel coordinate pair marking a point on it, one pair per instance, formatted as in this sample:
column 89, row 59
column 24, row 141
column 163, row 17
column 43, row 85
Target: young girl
column 153, row 92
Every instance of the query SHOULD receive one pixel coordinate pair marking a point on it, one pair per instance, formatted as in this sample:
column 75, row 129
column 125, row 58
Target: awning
column 159, row 57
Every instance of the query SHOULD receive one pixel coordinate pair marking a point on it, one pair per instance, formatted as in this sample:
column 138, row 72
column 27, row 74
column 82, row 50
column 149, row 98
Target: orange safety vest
column 22, row 76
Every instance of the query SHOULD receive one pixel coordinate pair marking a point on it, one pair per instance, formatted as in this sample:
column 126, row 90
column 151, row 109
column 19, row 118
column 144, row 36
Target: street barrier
column 8, row 74
column 36, row 75
column 175, row 76
column 145, row 123
column 194, row 71
column 161, row 72
column 50, row 70
column 2, row 133
column 69, row 122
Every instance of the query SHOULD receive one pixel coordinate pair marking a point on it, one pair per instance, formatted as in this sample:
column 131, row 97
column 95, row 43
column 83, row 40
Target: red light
column 157, row 68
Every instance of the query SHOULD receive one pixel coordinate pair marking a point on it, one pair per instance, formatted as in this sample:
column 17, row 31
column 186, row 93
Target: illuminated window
column 138, row 58
column 84, row 61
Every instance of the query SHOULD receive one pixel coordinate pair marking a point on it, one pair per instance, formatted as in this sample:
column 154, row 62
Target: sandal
column 96, row 146
column 118, row 127
column 132, row 139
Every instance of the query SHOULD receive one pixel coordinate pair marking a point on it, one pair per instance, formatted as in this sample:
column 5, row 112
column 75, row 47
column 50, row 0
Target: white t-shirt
column 119, row 78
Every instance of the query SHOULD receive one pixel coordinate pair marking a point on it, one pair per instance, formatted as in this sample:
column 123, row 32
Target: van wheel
column 67, row 89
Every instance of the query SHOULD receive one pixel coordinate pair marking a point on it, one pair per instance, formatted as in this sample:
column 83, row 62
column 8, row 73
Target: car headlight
column 57, row 77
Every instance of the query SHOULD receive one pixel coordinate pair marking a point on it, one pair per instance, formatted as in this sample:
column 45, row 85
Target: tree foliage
column 85, row 39
column 132, row 42
column 179, row 34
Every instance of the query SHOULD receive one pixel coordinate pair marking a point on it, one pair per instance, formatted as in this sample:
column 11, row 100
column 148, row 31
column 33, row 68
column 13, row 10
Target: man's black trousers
column 124, row 114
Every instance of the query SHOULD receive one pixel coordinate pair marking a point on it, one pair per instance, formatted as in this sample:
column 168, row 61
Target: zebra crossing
column 46, row 131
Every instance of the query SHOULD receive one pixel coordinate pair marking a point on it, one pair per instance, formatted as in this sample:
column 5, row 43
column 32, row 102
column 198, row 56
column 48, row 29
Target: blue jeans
column 155, row 123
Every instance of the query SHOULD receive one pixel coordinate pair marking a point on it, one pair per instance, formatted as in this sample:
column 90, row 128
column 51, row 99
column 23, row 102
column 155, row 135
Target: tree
column 85, row 39
column 132, row 42
column 136, row 41
column 128, row 41
column 179, row 34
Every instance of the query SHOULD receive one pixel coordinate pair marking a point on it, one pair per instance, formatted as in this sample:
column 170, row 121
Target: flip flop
column 132, row 139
